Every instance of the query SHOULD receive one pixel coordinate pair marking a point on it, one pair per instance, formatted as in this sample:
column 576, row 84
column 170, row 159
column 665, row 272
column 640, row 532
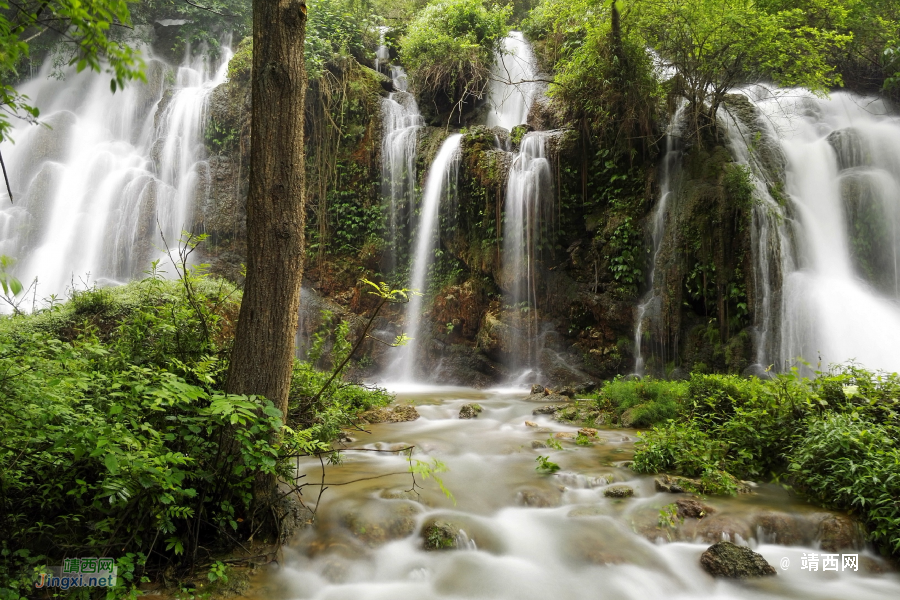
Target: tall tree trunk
column 263, row 351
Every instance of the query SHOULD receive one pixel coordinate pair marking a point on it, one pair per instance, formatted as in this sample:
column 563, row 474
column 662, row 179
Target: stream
column 527, row 535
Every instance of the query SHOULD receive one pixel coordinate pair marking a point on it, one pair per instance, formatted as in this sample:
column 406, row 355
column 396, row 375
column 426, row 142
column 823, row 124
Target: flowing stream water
column 826, row 251
column 106, row 174
column 526, row 535
column 440, row 182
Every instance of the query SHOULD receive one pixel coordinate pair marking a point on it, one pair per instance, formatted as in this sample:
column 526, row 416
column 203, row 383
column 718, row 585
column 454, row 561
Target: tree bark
column 263, row 352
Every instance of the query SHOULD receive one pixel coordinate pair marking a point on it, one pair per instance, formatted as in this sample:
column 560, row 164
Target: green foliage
column 83, row 32
column 847, row 462
column 545, row 465
column 206, row 22
column 449, row 49
column 333, row 29
column 648, row 401
column 836, row 438
column 627, row 256
column 552, row 442
column 716, row 45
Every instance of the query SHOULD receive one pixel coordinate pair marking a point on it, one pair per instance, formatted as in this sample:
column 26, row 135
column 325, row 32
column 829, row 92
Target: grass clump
column 642, row 403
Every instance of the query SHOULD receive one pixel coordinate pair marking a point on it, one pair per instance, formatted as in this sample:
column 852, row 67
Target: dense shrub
column 642, row 403
column 835, row 438
column 449, row 50
column 115, row 432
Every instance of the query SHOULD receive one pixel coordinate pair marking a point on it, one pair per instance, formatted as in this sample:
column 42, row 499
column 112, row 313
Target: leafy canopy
column 87, row 31
column 449, row 49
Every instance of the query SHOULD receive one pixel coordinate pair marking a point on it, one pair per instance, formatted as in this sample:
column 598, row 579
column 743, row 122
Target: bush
column 647, row 401
column 449, row 50
column 115, row 432
column 851, row 464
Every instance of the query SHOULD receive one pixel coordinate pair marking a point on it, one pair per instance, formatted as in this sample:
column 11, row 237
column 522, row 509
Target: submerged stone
column 398, row 414
column 725, row 559
column 619, row 491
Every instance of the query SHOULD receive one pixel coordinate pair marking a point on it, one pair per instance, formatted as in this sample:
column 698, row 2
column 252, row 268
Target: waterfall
column 398, row 160
column 826, row 248
column 441, row 181
column 96, row 183
column 650, row 306
column 382, row 53
column 512, row 88
column 529, row 213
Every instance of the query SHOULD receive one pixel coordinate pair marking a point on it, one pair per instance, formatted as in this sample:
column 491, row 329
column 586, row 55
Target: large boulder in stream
column 725, row 559
column 376, row 523
column 470, row 411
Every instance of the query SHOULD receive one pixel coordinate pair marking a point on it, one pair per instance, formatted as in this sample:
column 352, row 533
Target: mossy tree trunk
column 262, row 357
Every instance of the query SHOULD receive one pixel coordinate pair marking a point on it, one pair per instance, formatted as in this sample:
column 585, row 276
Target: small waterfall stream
column 512, row 88
column 402, row 122
column 649, row 308
column 440, row 182
column 528, row 211
column 826, row 254
column 106, row 174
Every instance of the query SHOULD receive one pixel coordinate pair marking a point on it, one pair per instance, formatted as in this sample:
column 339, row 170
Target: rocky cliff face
column 592, row 271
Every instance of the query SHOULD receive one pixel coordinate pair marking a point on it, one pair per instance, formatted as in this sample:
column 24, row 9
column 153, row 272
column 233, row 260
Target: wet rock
column 672, row 485
column 546, row 410
column 537, row 444
column 718, row 527
column 469, row 411
column 376, row 525
column 537, row 498
column 530, row 424
column 400, row 494
column 565, row 435
column 691, row 508
column 619, row 491
column 567, row 391
column 784, row 528
column 838, row 532
column 538, row 389
column 440, row 535
column 725, row 559
column 588, row 432
column 397, row 414
column 554, row 397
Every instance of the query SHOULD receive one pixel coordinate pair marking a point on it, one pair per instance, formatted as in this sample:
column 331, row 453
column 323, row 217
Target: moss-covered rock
column 725, row 559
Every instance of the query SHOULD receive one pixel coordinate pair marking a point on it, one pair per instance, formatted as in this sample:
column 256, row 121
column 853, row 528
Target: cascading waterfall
column 649, row 308
column 826, row 254
column 95, row 189
column 441, row 181
column 512, row 88
column 382, row 53
column 528, row 211
column 402, row 122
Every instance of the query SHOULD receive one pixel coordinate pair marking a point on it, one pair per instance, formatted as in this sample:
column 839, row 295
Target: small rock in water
column 536, row 444
column 440, row 535
column 530, row 424
column 693, row 508
column 469, row 411
column 565, row 435
column 618, row 491
column 538, row 389
column 536, row 499
column 588, row 431
column 545, row 410
column 725, row 559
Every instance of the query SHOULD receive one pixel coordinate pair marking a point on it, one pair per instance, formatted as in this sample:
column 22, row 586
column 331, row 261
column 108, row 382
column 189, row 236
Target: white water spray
column 107, row 173
column 512, row 88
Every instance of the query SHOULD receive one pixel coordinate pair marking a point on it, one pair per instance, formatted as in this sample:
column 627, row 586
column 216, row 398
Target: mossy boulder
column 731, row 561
column 470, row 411
column 440, row 535
column 619, row 491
